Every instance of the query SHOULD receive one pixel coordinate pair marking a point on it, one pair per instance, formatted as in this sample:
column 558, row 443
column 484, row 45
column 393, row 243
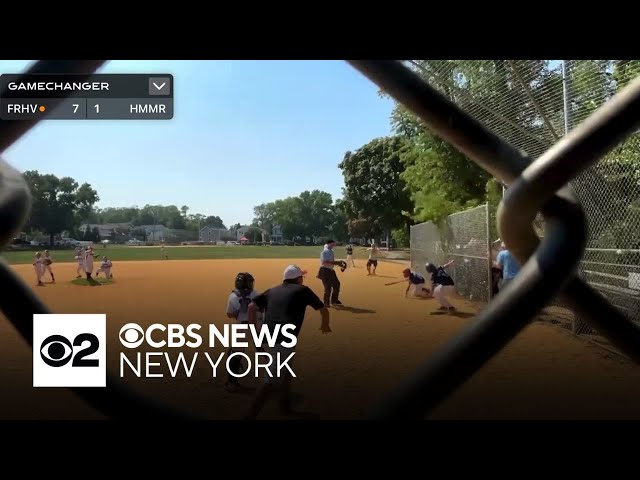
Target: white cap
column 292, row 272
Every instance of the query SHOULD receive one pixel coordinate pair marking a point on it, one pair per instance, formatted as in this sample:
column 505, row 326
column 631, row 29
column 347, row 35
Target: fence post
column 490, row 262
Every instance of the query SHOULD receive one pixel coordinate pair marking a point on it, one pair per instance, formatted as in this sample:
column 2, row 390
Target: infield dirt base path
column 377, row 340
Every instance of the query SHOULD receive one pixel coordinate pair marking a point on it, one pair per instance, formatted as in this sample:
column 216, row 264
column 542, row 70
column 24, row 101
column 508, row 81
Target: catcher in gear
column 46, row 262
column 238, row 310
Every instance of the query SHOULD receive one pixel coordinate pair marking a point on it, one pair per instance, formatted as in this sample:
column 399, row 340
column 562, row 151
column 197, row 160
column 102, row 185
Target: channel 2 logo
column 69, row 350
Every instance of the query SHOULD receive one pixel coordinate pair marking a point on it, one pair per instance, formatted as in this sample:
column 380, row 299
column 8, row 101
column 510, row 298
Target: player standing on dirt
column 349, row 260
column 46, row 262
column 238, row 309
column 373, row 259
column 327, row 274
column 79, row 257
column 39, row 268
column 282, row 305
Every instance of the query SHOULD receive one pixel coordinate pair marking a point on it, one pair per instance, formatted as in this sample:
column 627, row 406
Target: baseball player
column 350, row 261
column 442, row 285
column 238, row 309
column 88, row 264
column 80, row 259
column 39, row 268
column 46, row 263
column 416, row 281
column 373, row 259
column 163, row 253
column 105, row 267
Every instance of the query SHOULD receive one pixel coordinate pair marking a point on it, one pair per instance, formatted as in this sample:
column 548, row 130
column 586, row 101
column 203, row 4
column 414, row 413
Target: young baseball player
column 238, row 309
column 350, row 261
column 80, row 259
column 105, row 267
column 442, row 285
column 415, row 281
column 88, row 264
column 46, row 263
column 163, row 253
column 39, row 268
column 373, row 259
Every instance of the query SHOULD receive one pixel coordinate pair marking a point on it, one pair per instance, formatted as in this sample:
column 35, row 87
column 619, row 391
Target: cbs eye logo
column 131, row 335
column 69, row 350
column 56, row 351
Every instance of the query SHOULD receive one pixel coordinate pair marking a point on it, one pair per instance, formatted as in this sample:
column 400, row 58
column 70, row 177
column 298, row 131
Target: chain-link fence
column 534, row 103
column 427, row 246
column 464, row 238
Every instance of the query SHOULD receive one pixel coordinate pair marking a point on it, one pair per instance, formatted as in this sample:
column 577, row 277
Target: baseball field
column 378, row 339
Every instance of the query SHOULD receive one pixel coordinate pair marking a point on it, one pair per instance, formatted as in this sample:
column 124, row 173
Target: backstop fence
column 463, row 238
column 533, row 104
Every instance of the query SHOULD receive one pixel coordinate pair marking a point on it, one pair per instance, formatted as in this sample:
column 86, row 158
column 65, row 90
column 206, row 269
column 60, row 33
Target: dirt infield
column 379, row 339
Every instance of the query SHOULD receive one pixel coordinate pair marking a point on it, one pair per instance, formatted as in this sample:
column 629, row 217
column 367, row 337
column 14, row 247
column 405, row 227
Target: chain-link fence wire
column 468, row 242
column 427, row 245
column 464, row 238
column 532, row 104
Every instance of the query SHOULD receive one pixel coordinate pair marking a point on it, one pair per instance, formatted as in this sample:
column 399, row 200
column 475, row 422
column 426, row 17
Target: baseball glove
column 343, row 265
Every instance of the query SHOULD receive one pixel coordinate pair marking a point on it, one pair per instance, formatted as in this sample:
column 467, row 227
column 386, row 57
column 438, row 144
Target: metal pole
column 489, row 269
column 566, row 107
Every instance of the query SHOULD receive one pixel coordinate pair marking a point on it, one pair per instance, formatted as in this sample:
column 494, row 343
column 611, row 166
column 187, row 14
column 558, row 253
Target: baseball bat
column 394, row 283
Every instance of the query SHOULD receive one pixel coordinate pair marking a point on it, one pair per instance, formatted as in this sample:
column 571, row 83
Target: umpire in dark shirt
column 327, row 274
column 284, row 304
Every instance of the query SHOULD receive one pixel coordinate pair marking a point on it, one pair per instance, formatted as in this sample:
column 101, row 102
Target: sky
column 243, row 133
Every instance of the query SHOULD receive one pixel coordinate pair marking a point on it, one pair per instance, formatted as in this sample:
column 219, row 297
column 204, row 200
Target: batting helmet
column 430, row 267
column 244, row 281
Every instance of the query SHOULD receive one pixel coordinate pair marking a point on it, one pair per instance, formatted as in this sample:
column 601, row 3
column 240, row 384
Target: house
column 105, row 230
column 211, row 234
column 242, row 231
column 277, row 234
column 152, row 233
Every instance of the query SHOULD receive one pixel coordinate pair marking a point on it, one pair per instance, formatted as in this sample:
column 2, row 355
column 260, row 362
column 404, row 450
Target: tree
column 264, row 216
column 214, row 222
column 58, row 203
column 254, row 234
column 374, row 185
column 340, row 225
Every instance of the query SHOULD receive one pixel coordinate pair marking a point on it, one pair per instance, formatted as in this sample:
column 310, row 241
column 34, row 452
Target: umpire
column 327, row 274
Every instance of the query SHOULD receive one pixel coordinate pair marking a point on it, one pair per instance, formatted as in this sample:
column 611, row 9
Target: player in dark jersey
column 417, row 282
column 442, row 285
column 350, row 261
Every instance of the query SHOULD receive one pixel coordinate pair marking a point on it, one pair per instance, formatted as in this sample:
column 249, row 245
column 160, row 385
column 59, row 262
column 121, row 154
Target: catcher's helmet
column 244, row 281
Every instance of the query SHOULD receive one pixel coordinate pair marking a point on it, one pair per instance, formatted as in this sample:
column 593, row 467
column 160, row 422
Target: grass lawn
column 122, row 253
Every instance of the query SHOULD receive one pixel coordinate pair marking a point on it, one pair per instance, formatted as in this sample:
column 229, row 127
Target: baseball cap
column 292, row 272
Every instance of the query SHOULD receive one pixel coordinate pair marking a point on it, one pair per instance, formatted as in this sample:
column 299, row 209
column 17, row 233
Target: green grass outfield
column 122, row 253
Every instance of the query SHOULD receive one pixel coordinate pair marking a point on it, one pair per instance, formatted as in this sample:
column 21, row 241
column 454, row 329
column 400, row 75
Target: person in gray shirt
column 327, row 274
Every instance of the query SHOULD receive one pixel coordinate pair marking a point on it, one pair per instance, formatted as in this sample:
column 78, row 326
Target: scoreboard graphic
column 76, row 97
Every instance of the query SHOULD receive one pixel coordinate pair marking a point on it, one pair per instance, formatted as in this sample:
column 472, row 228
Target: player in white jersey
column 238, row 309
column 46, row 263
column 373, row 259
column 88, row 264
column 105, row 267
column 80, row 259
column 39, row 268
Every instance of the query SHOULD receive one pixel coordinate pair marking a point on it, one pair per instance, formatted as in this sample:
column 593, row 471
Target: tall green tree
column 340, row 225
column 58, row 203
column 374, row 185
